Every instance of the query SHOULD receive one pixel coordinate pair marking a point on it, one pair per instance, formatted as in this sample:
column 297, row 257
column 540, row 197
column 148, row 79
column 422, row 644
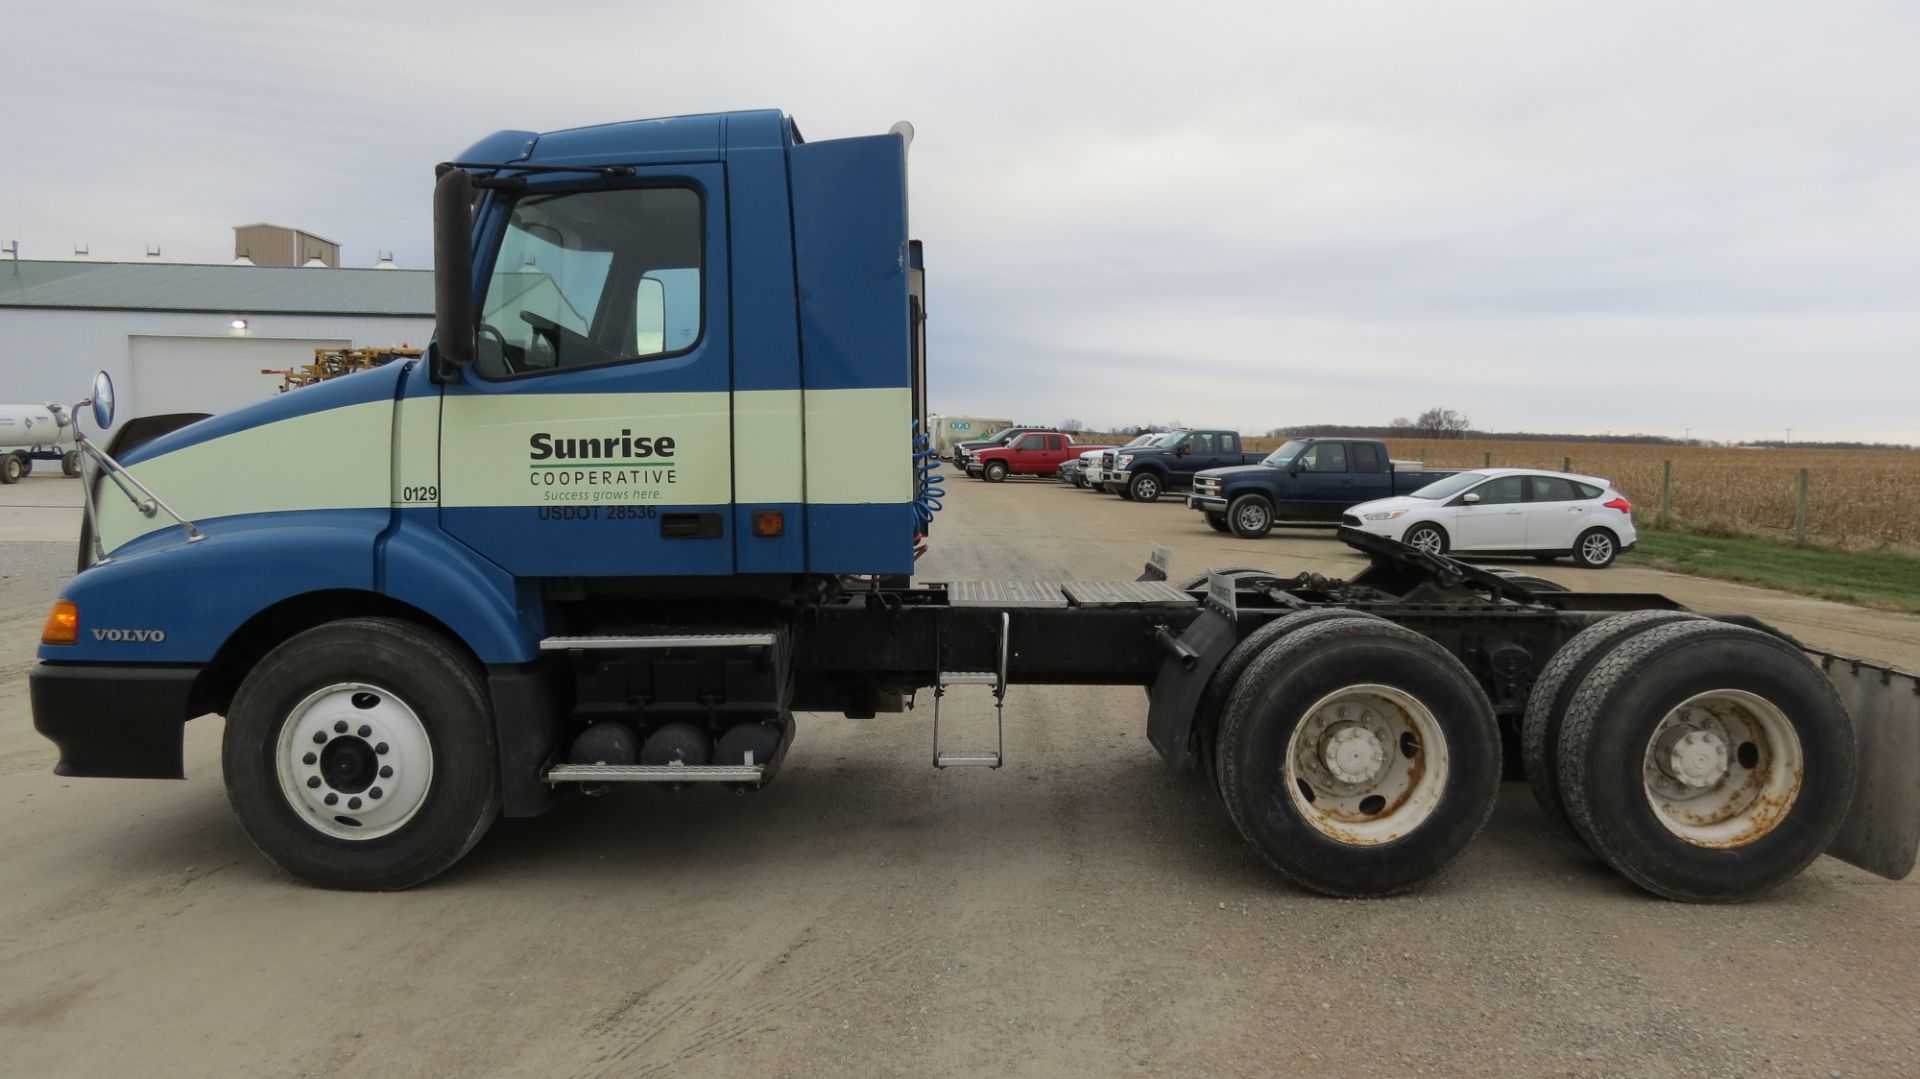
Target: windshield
column 1450, row 486
column 1284, row 456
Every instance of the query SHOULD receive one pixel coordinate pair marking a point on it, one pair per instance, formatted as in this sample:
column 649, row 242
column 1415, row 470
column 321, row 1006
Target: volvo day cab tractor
column 660, row 483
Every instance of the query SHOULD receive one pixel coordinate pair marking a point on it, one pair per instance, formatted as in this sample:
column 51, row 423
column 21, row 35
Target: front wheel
column 360, row 755
column 995, row 472
column 1595, row 549
column 70, row 463
column 1250, row 516
column 1145, row 487
column 1432, row 539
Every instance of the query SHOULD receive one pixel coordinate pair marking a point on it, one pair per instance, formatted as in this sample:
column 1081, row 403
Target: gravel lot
column 1080, row 912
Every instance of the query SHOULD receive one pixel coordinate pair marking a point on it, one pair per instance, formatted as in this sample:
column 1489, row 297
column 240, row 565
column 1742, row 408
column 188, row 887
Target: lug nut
column 340, row 726
column 353, row 803
column 309, row 759
column 313, row 781
column 381, row 749
column 375, row 793
column 386, row 771
column 333, row 799
column 319, row 737
column 365, row 731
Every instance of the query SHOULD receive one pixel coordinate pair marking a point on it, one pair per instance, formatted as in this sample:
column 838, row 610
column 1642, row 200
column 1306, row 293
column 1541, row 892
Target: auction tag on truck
column 1161, row 559
column 1221, row 592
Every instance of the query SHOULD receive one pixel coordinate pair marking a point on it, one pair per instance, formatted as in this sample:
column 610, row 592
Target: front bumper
column 122, row 721
column 976, row 469
column 1207, row 503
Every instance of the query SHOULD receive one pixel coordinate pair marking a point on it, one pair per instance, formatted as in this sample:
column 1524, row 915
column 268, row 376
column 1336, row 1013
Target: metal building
column 191, row 338
column 277, row 245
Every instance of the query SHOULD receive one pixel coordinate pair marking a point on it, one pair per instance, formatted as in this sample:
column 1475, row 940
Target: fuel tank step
column 660, row 641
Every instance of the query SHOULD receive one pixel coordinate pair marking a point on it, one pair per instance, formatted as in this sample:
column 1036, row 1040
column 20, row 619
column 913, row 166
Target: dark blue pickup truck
column 1308, row 479
column 1144, row 473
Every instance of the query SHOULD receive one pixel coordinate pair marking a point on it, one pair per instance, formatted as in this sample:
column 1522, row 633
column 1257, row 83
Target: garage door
column 208, row 374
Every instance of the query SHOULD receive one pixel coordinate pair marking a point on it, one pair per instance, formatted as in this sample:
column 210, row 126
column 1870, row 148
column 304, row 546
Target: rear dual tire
column 1704, row 762
column 1357, row 757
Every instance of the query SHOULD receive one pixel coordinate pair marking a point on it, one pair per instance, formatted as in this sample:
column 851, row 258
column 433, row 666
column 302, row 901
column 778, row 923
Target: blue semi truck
column 660, row 482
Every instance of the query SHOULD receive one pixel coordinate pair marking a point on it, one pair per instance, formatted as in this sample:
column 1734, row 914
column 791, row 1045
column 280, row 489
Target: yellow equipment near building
column 334, row 362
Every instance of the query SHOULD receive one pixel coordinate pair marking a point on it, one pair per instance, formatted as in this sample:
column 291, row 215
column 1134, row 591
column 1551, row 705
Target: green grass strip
column 1881, row 579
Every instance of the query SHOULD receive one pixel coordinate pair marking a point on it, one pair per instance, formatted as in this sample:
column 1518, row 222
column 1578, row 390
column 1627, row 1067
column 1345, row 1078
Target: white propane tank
column 26, row 426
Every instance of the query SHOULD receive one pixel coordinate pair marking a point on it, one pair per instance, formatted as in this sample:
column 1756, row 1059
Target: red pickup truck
column 1037, row 453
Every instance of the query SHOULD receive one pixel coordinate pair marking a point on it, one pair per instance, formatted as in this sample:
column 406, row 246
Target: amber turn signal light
column 769, row 523
column 63, row 624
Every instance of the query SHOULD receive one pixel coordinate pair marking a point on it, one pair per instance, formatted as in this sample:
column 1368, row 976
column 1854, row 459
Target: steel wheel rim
column 364, row 747
column 1146, row 488
column 1596, row 548
column 1723, row 768
column 1426, row 539
column 1252, row 517
column 1366, row 765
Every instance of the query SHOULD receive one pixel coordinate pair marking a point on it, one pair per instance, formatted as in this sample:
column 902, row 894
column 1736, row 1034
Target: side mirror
column 1183, row 450
column 453, row 321
column 1470, row 499
column 1294, row 468
column 102, row 400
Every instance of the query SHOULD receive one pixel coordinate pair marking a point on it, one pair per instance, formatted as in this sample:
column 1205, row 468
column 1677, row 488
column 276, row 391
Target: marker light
column 238, row 324
column 63, row 624
column 769, row 523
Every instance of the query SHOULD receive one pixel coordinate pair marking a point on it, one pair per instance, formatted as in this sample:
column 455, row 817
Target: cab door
column 591, row 436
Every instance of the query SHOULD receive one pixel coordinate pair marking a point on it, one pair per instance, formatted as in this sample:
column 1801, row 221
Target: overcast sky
column 1550, row 216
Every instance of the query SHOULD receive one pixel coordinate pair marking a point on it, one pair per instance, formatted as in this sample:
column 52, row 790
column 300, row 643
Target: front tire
column 1145, row 487
column 1706, row 762
column 70, row 463
column 1358, row 757
column 360, row 755
column 1217, row 522
column 1429, row 538
column 995, row 472
column 1595, row 549
column 1250, row 516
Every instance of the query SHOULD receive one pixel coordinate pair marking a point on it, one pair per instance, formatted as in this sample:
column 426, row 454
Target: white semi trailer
column 30, row 433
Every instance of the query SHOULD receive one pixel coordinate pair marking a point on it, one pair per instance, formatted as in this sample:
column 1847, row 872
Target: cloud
column 1550, row 216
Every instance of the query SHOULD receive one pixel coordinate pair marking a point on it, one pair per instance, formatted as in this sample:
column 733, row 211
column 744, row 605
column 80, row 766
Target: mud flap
column 1882, row 830
column 1176, row 689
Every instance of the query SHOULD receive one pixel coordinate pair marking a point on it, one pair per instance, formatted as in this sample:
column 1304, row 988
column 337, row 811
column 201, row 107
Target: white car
column 1507, row 511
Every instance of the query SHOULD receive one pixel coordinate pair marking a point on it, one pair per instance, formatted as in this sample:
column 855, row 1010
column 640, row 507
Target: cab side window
column 589, row 278
column 1054, row 442
column 1325, row 457
column 1366, row 458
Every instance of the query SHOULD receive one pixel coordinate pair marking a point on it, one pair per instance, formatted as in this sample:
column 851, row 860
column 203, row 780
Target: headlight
column 1386, row 515
column 1126, row 460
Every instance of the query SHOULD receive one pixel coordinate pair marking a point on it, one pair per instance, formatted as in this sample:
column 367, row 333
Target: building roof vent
column 153, row 252
column 386, row 262
column 241, row 259
column 314, row 263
